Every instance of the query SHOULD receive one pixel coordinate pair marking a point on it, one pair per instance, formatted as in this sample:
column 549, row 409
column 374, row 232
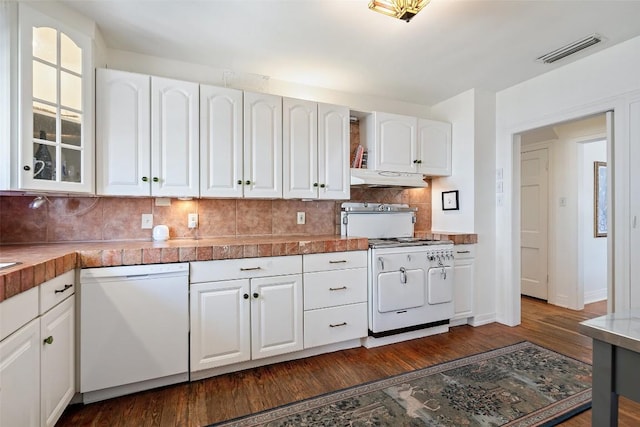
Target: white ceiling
column 449, row 47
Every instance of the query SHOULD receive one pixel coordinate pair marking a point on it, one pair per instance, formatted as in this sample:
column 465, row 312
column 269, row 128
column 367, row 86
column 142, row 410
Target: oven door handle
column 403, row 275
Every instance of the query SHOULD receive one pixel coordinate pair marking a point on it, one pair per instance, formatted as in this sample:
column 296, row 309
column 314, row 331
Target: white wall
column 134, row 62
column 594, row 249
column 460, row 112
column 472, row 115
column 607, row 80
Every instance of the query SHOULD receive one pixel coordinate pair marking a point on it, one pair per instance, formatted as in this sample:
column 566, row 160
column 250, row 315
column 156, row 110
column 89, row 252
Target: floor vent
column 570, row 49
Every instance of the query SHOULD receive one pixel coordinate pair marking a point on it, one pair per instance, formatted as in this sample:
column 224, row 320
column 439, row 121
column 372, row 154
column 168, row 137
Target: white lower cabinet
column 463, row 281
column 255, row 316
column 37, row 353
column 335, row 297
column 20, row 377
column 57, row 379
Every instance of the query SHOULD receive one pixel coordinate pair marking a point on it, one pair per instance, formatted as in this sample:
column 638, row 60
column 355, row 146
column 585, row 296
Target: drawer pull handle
column 338, row 289
column 250, row 268
column 338, row 324
column 463, row 252
column 59, row 291
column 341, row 261
column 48, row 340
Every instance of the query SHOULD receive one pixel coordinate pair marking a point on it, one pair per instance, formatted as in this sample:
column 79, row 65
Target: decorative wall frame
column 450, row 201
column 600, row 199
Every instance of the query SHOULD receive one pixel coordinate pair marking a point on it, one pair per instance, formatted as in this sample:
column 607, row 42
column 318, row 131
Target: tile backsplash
column 69, row 219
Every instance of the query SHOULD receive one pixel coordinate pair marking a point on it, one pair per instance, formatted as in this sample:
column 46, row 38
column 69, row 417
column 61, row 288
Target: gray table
column 616, row 362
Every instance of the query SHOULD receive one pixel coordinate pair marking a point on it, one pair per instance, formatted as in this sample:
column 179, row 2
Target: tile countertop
column 620, row 329
column 42, row 262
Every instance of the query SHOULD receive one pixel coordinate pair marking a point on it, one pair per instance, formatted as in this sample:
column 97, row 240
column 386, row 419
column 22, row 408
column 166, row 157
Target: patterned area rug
column 518, row 385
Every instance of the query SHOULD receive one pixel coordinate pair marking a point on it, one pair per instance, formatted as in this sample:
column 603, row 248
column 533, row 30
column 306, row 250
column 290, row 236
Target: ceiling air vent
column 570, row 49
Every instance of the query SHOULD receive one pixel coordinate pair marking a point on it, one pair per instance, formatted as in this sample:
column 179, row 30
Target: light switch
column 300, row 218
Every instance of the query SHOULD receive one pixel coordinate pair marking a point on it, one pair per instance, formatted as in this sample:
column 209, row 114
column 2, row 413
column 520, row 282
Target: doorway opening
column 563, row 257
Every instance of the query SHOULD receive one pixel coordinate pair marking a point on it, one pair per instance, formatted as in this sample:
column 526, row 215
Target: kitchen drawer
column 18, row 311
column 245, row 268
column 335, row 324
column 331, row 288
column 334, row 261
column 56, row 290
column 464, row 251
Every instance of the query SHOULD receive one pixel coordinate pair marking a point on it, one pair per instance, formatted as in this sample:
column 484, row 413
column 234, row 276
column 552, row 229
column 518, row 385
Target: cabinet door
column 123, row 139
column 56, row 102
column 220, row 322
column 395, row 142
column 262, row 145
column 333, row 152
column 434, row 147
column 220, row 142
column 276, row 315
column 20, row 377
column 463, row 288
column 174, row 138
column 57, row 330
column 300, row 149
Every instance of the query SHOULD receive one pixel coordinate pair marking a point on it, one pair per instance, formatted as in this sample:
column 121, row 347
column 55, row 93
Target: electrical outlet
column 192, row 220
column 300, row 217
column 147, row 221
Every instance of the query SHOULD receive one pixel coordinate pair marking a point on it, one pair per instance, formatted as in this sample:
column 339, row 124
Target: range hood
column 373, row 178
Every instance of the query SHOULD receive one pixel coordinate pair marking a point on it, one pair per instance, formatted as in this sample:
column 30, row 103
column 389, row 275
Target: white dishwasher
column 134, row 328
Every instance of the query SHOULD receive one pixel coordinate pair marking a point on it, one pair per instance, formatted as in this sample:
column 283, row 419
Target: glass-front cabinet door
column 56, row 127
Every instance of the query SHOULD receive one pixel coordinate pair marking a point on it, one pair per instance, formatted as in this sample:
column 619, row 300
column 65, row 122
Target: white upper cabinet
column 123, row 134
column 175, row 139
column 262, row 137
column 147, row 135
column 221, row 169
column 434, row 147
column 407, row 144
column 55, row 93
column 316, row 150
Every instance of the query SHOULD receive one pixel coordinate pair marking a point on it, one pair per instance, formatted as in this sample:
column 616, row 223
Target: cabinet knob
column 145, row 179
column 26, row 167
column 247, row 182
column 239, row 182
column 315, row 184
column 419, row 162
column 322, row 185
column 48, row 340
column 415, row 161
column 245, row 296
column 155, row 179
column 255, row 295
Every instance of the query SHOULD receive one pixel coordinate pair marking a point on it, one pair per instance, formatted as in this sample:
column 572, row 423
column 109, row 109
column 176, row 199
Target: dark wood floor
column 228, row 396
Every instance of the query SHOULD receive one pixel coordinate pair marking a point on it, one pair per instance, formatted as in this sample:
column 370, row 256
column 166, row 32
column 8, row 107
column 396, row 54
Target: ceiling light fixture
column 570, row 49
column 401, row 9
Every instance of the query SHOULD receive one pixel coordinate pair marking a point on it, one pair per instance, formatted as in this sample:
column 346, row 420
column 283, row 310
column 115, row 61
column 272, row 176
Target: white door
column 434, row 148
column 57, row 330
column 123, row 138
column 300, row 149
column 333, row 152
column 220, row 142
column 534, row 223
column 220, row 322
column 276, row 315
column 262, row 145
column 20, row 377
column 174, row 138
column 396, row 142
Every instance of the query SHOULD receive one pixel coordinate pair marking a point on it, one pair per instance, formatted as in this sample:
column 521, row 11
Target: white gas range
column 410, row 280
